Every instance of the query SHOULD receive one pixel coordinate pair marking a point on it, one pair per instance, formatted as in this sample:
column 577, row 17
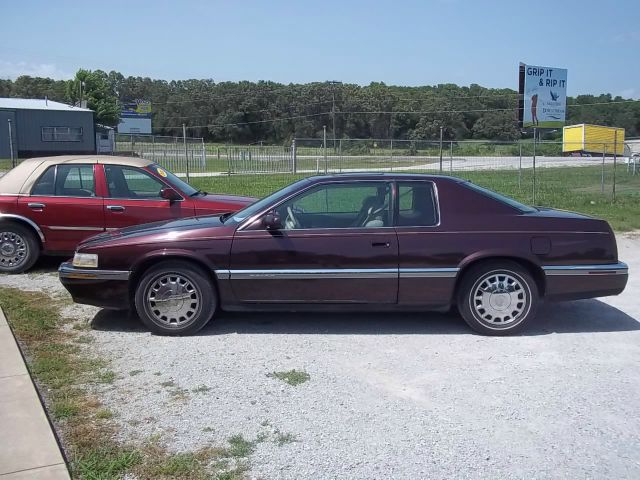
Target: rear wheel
column 19, row 248
column 498, row 298
column 175, row 298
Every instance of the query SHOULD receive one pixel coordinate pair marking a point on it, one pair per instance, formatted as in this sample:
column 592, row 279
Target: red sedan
column 358, row 241
column 49, row 205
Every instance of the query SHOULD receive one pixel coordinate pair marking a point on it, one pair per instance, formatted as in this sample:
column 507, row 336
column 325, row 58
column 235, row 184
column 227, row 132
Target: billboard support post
column 535, row 135
column 520, row 169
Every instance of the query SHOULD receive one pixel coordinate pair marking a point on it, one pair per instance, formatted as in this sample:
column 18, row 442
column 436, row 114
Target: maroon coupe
column 48, row 205
column 353, row 241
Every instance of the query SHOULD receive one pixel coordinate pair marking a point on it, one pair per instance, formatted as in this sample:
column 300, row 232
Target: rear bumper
column 101, row 288
column 573, row 282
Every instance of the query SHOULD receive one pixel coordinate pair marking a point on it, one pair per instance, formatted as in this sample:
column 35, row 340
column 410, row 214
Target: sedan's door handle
column 115, row 208
column 380, row 244
column 35, row 205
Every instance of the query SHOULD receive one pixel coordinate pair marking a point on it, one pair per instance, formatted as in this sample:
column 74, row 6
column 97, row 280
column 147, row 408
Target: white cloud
column 13, row 70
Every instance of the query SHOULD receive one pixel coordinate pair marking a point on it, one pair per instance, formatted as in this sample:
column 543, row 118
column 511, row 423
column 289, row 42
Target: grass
column 62, row 371
column 567, row 188
column 292, row 377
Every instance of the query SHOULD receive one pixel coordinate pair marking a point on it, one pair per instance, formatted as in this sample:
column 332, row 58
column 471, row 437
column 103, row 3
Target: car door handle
column 115, row 208
column 35, row 205
column 380, row 244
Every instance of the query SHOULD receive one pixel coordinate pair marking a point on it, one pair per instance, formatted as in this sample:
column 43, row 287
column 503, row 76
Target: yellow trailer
column 586, row 139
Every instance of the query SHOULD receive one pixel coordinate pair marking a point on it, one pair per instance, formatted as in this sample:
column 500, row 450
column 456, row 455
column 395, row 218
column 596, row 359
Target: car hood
column 155, row 229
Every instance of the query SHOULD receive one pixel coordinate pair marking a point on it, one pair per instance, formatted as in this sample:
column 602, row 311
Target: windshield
column 176, row 182
column 263, row 203
column 501, row 198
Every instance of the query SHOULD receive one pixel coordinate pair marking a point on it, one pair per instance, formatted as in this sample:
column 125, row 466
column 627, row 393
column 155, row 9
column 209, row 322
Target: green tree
column 94, row 86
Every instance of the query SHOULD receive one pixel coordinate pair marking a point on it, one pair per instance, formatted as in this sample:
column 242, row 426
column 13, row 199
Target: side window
column 416, row 205
column 45, row 184
column 68, row 181
column 339, row 206
column 132, row 183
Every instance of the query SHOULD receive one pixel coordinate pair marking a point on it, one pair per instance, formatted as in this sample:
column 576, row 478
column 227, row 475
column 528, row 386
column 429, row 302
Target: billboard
column 543, row 96
column 135, row 117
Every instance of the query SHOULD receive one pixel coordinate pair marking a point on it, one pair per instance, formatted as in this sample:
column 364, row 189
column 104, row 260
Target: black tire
column 169, row 315
column 511, row 293
column 19, row 248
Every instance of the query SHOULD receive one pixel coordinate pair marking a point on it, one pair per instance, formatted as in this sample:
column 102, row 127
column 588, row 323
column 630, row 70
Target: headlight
column 85, row 260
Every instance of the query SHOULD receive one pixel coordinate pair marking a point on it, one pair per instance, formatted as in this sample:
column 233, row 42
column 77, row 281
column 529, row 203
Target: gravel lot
column 389, row 395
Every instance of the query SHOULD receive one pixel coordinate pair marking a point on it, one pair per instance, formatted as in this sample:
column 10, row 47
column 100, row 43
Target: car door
column 336, row 244
column 64, row 203
column 427, row 271
column 133, row 198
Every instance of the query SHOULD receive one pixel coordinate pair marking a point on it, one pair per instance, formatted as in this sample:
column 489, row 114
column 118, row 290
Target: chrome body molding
column 24, row 219
column 67, row 270
column 619, row 268
column 344, row 273
column 88, row 229
column 428, row 272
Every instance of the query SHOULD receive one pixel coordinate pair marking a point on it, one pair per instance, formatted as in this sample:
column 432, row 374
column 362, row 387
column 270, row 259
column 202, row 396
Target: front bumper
column 573, row 282
column 102, row 288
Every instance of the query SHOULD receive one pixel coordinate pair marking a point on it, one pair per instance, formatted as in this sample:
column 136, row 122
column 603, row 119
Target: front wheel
column 175, row 298
column 497, row 298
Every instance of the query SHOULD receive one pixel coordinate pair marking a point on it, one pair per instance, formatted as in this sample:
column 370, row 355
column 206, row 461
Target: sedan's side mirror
column 272, row 221
column 170, row 194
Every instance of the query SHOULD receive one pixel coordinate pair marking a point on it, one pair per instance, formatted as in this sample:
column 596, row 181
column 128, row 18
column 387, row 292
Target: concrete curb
column 28, row 446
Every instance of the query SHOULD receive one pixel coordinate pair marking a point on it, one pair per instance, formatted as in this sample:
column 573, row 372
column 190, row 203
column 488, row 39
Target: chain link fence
column 534, row 172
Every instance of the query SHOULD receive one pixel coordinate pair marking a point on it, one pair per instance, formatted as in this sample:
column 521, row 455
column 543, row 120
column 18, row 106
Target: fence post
column 391, row 155
column 340, row 147
column 520, row 169
column 440, row 149
column 615, row 158
column 132, row 143
column 604, row 153
column 13, row 160
column 294, row 155
column 451, row 156
column 535, row 136
column 324, row 129
column 186, row 156
column 204, row 155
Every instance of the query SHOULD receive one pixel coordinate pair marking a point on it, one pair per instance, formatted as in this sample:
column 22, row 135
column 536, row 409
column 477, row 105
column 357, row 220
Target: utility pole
column 13, row 162
column 333, row 111
column 535, row 136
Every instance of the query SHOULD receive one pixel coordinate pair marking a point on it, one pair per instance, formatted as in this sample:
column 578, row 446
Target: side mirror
column 170, row 194
column 272, row 221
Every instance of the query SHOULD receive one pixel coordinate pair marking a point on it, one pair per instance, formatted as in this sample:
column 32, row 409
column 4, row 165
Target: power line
column 252, row 111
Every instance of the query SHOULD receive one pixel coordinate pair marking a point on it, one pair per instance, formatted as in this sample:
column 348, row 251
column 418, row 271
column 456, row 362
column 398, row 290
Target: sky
column 401, row 42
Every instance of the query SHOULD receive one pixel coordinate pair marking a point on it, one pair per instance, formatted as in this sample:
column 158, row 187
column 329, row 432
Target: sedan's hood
column 155, row 228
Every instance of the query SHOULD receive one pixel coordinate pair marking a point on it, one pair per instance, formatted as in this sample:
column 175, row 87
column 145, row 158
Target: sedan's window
column 501, row 198
column 75, row 181
column 417, row 205
column 45, row 184
column 339, row 205
column 132, row 183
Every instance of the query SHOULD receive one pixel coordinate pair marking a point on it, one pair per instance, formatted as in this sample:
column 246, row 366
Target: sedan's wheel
column 175, row 298
column 497, row 298
column 19, row 248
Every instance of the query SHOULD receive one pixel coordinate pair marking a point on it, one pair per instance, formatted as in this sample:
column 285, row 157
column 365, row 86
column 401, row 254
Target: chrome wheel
column 500, row 299
column 14, row 250
column 173, row 300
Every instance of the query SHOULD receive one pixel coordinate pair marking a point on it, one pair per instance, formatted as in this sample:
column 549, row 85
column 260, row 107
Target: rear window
column 501, row 198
